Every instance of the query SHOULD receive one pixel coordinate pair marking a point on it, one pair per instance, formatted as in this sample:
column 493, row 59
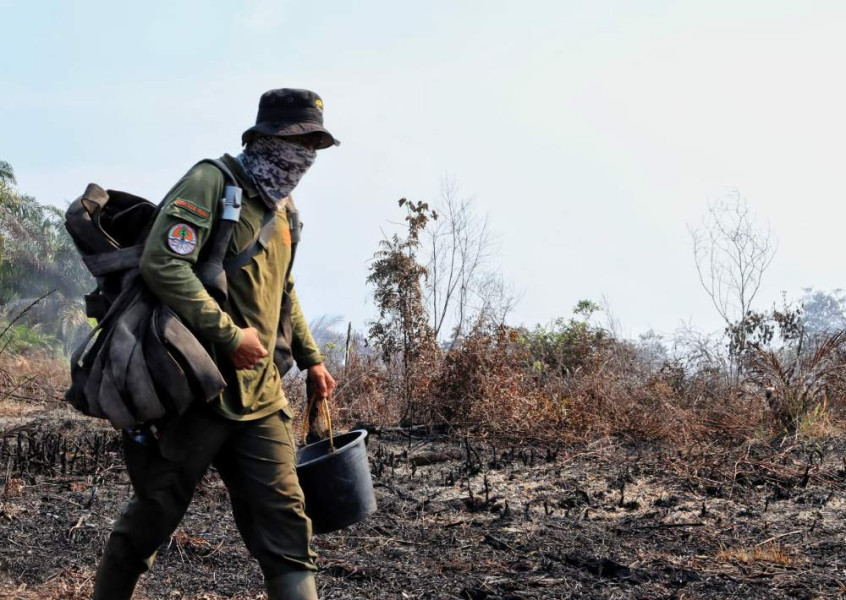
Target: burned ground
column 460, row 517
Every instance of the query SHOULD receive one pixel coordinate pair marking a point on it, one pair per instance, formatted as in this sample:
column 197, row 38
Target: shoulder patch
column 191, row 207
column 182, row 238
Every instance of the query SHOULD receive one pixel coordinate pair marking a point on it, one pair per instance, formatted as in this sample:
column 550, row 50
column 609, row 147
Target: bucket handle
column 325, row 408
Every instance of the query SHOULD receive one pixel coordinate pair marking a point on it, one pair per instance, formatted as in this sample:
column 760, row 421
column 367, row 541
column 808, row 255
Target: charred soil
column 460, row 517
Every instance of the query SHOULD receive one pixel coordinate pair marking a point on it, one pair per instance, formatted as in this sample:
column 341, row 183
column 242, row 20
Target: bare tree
column 732, row 253
column 700, row 353
column 496, row 298
column 461, row 289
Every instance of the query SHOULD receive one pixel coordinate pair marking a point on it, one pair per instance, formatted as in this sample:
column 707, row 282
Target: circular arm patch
column 182, row 239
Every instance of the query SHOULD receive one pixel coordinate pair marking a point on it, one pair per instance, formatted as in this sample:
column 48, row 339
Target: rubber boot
column 296, row 585
column 113, row 582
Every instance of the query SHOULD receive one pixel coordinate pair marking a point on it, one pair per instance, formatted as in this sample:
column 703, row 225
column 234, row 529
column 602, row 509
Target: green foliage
column 402, row 326
column 566, row 345
column 401, row 334
column 7, row 174
column 37, row 256
column 21, row 338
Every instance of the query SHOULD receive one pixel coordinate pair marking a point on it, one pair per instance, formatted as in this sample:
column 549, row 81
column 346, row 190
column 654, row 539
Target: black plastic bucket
column 337, row 485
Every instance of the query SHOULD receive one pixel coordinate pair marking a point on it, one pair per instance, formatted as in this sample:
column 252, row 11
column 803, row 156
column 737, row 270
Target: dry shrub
column 609, row 403
column 295, row 390
column 483, row 382
column 806, row 378
column 35, row 376
column 734, row 417
column 495, row 381
column 670, row 406
column 364, row 395
column 29, row 383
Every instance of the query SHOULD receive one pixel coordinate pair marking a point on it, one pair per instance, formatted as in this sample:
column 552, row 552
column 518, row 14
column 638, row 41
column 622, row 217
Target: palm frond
column 7, row 173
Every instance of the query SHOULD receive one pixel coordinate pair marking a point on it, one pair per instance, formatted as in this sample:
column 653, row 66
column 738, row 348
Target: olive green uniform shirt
column 182, row 227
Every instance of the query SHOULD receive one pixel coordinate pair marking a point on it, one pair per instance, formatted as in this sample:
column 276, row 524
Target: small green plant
column 566, row 345
column 21, row 338
column 401, row 333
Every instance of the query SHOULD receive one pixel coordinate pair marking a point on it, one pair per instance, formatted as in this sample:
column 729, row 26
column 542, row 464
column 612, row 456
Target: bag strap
column 213, row 270
column 210, row 271
column 104, row 263
column 268, row 225
column 262, row 240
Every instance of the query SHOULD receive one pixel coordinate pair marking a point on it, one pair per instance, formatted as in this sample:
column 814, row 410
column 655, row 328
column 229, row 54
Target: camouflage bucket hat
column 290, row 112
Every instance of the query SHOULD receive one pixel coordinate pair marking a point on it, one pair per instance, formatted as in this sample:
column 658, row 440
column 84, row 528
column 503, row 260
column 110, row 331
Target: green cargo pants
column 255, row 459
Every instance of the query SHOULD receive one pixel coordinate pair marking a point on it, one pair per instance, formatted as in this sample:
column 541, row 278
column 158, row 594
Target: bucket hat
column 289, row 111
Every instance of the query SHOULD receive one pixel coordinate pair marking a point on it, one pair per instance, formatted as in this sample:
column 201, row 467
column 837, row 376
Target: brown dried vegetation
column 547, row 499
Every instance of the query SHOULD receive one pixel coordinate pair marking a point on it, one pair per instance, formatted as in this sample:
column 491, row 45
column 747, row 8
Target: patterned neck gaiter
column 276, row 165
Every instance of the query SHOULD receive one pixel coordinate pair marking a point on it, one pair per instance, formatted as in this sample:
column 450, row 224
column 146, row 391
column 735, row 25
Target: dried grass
column 770, row 552
column 29, row 382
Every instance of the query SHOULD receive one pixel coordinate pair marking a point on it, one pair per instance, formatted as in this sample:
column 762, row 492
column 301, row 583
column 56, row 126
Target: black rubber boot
column 113, row 582
column 296, row 585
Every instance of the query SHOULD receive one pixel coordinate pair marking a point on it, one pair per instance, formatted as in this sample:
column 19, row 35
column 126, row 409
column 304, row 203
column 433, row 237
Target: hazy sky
column 592, row 133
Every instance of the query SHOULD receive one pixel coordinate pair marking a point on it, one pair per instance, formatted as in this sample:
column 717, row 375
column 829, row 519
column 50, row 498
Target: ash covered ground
column 459, row 517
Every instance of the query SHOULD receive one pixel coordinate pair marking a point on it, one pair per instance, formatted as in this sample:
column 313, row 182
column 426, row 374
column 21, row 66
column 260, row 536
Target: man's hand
column 321, row 383
column 250, row 351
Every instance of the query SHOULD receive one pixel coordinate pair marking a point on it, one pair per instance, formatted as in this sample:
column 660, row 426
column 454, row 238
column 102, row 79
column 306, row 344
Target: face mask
column 276, row 164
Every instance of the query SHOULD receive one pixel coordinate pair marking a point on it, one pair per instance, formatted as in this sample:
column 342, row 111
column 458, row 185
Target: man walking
column 255, row 335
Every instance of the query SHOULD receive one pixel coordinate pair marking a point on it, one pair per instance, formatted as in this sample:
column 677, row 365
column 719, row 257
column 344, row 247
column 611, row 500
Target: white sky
column 592, row 133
